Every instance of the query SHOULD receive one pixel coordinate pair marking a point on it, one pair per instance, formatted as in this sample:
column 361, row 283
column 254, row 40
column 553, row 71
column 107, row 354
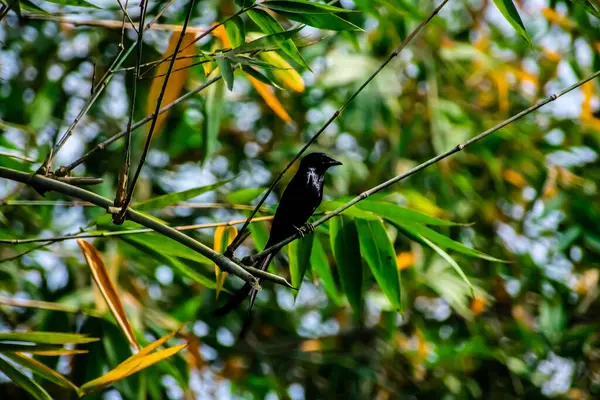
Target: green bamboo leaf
column 451, row 261
column 258, row 76
column 270, row 26
column 166, row 254
column 299, row 253
column 346, row 251
column 213, row 114
column 41, row 370
column 355, row 212
column 265, row 42
column 399, row 214
column 78, row 3
column 23, row 381
column 377, row 249
column 320, row 265
column 46, row 337
column 236, row 31
column 329, row 22
column 244, row 196
column 508, row 9
column 245, row 3
column 226, row 71
column 157, row 242
column 300, row 6
column 444, row 241
column 172, row 198
column 260, row 235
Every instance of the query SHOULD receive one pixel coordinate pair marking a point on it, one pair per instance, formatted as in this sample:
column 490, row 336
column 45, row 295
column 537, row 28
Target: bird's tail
column 241, row 294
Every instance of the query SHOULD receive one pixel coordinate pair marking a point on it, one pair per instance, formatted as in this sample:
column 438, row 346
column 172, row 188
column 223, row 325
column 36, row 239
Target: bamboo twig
column 236, row 242
column 48, row 184
column 113, row 24
column 128, row 232
column 459, row 147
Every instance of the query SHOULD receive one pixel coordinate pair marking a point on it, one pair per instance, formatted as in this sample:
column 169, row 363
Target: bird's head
column 319, row 161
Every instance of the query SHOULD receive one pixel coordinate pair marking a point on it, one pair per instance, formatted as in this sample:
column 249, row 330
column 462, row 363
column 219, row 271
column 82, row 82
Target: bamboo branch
column 460, row 147
column 236, row 242
column 112, row 24
column 48, row 184
column 128, row 232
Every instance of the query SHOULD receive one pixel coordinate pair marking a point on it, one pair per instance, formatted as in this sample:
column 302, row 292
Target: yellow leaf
column 176, row 80
column 100, row 275
column 224, row 235
column 127, row 368
column 152, row 346
column 284, row 73
column 405, row 260
column 57, row 352
column 266, row 93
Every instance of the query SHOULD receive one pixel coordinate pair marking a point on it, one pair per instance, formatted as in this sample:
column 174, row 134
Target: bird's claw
column 308, row 228
column 299, row 230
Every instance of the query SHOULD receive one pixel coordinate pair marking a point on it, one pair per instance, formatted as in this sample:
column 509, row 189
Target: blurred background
column 527, row 195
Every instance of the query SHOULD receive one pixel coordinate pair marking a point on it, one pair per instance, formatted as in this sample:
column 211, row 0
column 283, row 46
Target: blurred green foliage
column 518, row 214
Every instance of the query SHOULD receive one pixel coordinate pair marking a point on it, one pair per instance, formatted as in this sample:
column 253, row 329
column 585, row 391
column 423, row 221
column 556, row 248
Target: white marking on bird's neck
column 313, row 177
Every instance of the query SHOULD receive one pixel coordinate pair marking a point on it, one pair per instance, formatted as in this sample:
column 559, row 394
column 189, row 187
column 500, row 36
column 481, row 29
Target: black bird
column 299, row 201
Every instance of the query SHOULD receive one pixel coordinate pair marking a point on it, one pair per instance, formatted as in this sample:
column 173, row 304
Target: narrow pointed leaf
column 509, row 11
column 299, row 6
column 162, row 252
column 236, row 31
column 399, row 214
column 172, row 198
column 102, row 279
column 329, row 22
column 244, row 196
column 127, row 368
column 444, row 241
column 45, row 337
column 213, row 115
column 260, row 235
column 226, row 71
column 284, row 72
column 346, row 250
column 259, row 77
column 320, row 265
column 299, row 254
column 269, row 25
column 177, row 79
column 41, row 370
column 377, row 249
column 23, row 381
column 452, row 262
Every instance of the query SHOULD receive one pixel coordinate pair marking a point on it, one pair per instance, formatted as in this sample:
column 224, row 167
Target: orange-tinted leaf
column 267, row 94
column 127, row 368
column 224, row 235
column 176, row 80
column 102, row 279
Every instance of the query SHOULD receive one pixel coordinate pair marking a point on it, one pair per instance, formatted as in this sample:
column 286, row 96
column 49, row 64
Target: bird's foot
column 299, row 230
column 308, row 228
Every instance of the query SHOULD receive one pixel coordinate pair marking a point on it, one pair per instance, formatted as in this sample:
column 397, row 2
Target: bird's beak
column 333, row 163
